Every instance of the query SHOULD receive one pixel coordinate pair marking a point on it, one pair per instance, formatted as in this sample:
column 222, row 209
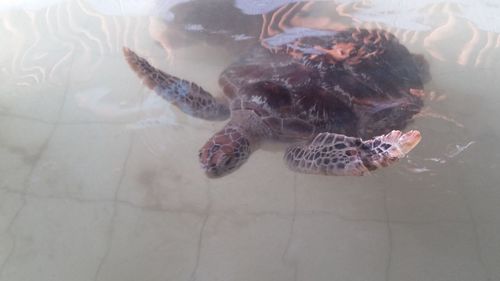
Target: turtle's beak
column 218, row 166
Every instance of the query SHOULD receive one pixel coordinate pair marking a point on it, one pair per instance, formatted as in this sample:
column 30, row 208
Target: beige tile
column 360, row 198
column 200, row 64
column 102, row 89
column 42, row 41
column 489, row 241
column 163, row 170
column 10, row 204
column 324, row 247
column 105, row 88
column 22, row 142
column 480, row 178
column 82, row 161
column 44, row 28
column 52, row 245
column 6, row 249
column 423, row 197
column 244, row 247
column 63, row 25
column 106, row 33
column 261, row 185
column 35, row 87
column 151, row 245
column 427, row 201
column 435, row 251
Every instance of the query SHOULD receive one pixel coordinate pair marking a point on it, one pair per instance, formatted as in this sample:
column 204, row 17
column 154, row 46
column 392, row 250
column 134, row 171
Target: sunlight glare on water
column 100, row 180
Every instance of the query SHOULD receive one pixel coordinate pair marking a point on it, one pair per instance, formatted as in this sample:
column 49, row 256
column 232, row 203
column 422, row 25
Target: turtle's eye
column 227, row 162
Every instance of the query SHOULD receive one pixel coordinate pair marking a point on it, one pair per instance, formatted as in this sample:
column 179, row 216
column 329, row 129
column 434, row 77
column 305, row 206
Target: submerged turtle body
column 327, row 93
column 355, row 82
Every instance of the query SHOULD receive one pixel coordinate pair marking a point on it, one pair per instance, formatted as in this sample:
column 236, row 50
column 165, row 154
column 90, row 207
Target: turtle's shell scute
column 357, row 82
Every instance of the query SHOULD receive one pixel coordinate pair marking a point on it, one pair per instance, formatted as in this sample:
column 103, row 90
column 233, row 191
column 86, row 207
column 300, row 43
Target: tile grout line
column 389, row 237
column 221, row 212
column 24, row 199
column 477, row 243
column 7, row 258
column 202, row 230
column 292, row 230
column 61, row 123
column 111, row 229
column 28, row 178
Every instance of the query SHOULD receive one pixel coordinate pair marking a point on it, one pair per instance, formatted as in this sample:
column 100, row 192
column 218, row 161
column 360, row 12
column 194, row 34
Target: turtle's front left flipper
column 339, row 155
column 187, row 96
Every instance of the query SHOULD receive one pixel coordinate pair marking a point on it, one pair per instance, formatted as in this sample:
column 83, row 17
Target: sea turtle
column 334, row 98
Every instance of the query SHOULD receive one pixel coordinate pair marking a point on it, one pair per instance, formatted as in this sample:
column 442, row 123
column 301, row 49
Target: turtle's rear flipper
column 339, row 155
column 187, row 96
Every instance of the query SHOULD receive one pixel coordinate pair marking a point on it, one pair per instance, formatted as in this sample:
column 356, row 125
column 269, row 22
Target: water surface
column 99, row 178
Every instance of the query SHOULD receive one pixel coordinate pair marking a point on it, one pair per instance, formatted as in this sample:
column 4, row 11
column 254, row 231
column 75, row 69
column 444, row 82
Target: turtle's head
column 225, row 152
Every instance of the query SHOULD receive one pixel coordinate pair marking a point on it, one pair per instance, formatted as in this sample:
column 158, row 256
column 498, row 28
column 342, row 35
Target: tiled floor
column 99, row 179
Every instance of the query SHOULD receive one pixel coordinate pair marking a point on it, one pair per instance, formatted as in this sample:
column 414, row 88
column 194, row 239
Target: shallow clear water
column 99, row 178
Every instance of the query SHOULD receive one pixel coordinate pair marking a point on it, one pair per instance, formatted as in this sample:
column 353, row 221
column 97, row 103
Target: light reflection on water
column 71, row 110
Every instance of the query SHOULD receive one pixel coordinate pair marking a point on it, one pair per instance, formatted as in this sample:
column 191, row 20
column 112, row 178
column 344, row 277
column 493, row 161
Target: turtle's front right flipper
column 339, row 155
column 187, row 96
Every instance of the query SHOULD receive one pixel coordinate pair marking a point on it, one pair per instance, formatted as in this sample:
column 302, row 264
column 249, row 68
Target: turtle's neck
column 249, row 124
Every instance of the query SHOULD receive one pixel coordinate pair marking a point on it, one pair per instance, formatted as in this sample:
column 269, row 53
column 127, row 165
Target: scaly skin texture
column 225, row 151
column 187, row 96
column 229, row 148
column 339, row 155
